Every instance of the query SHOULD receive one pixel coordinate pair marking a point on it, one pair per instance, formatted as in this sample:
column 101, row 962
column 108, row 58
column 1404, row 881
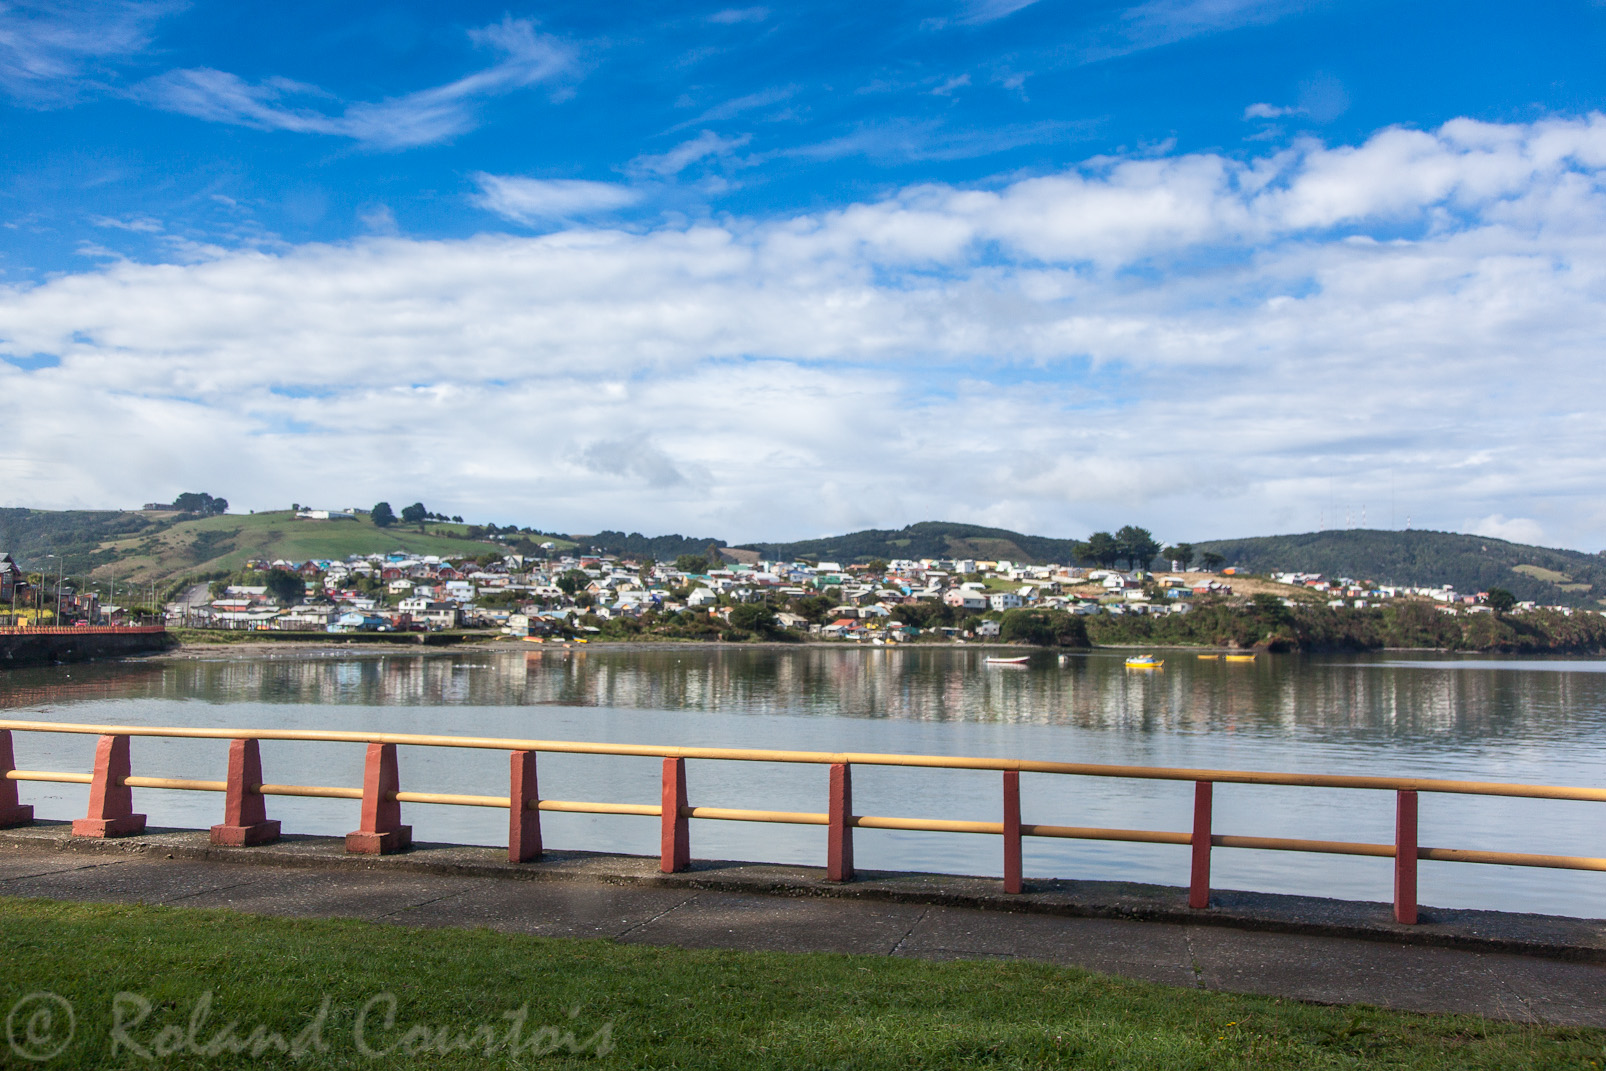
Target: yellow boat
column 1240, row 658
column 1144, row 661
column 1211, row 657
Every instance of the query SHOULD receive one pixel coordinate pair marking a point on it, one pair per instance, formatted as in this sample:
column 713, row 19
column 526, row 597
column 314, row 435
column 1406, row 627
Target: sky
column 1214, row 267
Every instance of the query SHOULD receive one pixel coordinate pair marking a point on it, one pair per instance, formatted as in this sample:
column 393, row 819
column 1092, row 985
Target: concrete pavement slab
column 1331, row 970
column 1557, row 991
column 1153, row 951
column 151, row 881
column 320, row 894
column 780, row 924
column 30, row 865
column 549, row 909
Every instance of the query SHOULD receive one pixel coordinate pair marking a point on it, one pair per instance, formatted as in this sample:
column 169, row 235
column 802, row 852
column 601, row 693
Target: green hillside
column 152, row 546
column 928, row 539
column 1469, row 563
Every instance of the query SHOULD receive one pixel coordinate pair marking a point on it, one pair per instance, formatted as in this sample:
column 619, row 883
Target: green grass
column 211, row 544
column 666, row 1008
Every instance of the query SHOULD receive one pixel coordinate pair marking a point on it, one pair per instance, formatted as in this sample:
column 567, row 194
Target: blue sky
column 1215, row 267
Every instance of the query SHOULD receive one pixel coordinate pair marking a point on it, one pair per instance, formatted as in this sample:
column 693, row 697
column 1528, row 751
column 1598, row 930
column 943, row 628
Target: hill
column 154, row 546
column 1466, row 562
column 928, row 539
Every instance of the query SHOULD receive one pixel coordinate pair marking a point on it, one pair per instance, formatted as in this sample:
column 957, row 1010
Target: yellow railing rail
column 246, row 823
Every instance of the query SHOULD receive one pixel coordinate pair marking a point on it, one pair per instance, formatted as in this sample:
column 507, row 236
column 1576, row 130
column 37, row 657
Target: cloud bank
column 1207, row 345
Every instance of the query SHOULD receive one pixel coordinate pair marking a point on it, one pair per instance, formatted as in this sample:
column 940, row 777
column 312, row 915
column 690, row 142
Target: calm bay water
column 1529, row 720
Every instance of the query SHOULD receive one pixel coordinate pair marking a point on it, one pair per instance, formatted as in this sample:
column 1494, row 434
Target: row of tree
column 1136, row 548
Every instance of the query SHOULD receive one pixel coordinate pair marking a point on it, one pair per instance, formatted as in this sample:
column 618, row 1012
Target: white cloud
column 685, row 154
column 975, row 12
column 1268, row 111
column 1206, row 345
column 527, row 200
column 419, row 118
column 732, row 15
column 1511, row 529
column 48, row 48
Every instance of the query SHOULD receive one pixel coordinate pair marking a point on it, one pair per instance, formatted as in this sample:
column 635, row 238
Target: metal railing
column 82, row 630
column 245, row 820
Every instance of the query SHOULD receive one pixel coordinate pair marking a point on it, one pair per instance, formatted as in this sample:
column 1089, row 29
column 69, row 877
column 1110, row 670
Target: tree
column 415, row 514
column 753, row 617
column 1044, row 628
column 572, row 581
column 1137, row 546
column 285, row 587
column 1211, row 560
column 1500, row 600
column 878, row 567
column 694, row 564
column 1102, row 549
column 382, row 515
column 200, row 502
column 1182, row 554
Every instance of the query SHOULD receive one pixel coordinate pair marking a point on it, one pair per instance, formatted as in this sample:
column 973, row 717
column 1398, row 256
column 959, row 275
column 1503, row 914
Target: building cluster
column 1346, row 592
column 530, row 597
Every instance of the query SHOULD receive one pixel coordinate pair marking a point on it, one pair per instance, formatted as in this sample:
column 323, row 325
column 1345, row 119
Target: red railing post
column 1199, row 881
column 111, row 803
column 12, row 813
column 1405, row 856
column 523, row 819
column 839, row 830
column 245, row 814
column 1012, row 864
column 382, row 831
column 675, row 843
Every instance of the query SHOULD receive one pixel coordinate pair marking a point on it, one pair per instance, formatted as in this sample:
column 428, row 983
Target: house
column 987, row 629
column 11, row 579
column 1003, row 600
column 965, row 599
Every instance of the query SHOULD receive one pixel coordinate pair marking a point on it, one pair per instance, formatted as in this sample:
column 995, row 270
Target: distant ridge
column 928, row 539
column 1469, row 563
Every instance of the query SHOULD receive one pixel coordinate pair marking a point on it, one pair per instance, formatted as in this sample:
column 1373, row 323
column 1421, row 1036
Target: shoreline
column 245, row 650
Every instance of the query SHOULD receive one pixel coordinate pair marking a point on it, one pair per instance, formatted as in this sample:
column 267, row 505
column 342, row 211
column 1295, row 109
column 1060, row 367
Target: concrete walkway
column 1326, row 951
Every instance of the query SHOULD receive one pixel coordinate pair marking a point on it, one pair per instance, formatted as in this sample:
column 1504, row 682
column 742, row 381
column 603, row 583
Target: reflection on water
column 1520, row 720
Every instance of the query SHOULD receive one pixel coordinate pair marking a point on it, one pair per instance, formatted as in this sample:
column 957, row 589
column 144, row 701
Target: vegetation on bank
column 1266, row 623
column 442, row 998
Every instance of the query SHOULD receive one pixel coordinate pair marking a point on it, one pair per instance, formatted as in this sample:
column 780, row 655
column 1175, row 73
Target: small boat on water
column 1211, row 657
column 1240, row 658
column 1021, row 661
column 1144, row 661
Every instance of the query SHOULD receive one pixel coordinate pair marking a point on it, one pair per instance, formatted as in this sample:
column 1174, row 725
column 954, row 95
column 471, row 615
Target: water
column 1526, row 720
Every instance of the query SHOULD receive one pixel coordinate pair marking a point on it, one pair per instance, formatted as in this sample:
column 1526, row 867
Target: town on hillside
column 579, row 596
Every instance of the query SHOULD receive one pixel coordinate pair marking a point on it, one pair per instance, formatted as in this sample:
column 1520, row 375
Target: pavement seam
column 432, row 900
column 1193, row 959
column 61, row 870
column 1506, row 989
column 910, row 931
column 642, row 925
column 204, row 892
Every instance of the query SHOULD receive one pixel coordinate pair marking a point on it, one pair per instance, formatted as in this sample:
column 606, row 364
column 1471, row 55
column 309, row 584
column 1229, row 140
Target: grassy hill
column 1467, row 562
column 152, row 546
column 928, row 539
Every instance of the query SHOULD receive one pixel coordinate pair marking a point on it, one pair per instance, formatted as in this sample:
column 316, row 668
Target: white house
column 965, row 599
column 1003, row 600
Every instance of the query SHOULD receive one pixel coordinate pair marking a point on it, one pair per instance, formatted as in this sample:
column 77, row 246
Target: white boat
column 1144, row 661
column 1021, row 661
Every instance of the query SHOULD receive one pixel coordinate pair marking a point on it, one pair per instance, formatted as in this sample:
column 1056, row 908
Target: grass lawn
column 354, row 994
column 208, row 544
